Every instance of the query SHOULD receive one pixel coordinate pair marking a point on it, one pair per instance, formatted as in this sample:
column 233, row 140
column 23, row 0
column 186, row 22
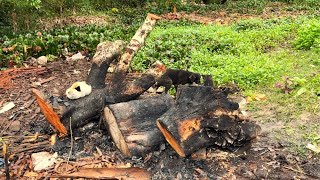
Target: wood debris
column 7, row 76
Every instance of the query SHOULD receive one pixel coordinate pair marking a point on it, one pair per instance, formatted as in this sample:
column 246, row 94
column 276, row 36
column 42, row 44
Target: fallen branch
column 7, row 76
column 37, row 146
column 108, row 173
column 28, row 144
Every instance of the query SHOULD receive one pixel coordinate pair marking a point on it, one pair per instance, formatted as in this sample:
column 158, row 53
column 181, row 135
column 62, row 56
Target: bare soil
column 224, row 17
column 75, row 20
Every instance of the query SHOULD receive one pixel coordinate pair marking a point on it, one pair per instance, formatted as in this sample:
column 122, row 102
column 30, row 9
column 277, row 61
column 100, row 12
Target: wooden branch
column 136, row 42
column 108, row 173
column 132, row 125
column 85, row 109
column 105, row 54
column 6, row 161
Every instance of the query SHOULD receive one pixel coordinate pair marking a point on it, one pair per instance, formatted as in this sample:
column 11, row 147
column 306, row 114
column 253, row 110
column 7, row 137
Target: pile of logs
column 199, row 116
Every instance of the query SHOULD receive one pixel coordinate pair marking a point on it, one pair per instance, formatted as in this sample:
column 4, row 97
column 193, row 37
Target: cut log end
column 115, row 132
column 170, row 139
column 132, row 124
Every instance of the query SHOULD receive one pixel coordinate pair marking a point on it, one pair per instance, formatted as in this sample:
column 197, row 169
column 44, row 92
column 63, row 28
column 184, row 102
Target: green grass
column 256, row 55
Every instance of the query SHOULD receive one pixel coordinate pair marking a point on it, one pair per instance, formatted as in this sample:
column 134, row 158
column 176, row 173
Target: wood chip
column 47, row 80
column 28, row 104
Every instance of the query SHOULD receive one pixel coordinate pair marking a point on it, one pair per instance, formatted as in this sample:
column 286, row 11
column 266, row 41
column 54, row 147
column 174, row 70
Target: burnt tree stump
column 132, row 125
column 201, row 117
column 85, row 109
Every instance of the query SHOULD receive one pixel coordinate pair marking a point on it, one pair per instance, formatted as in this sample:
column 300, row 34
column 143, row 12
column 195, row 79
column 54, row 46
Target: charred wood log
column 82, row 111
column 203, row 117
column 132, row 125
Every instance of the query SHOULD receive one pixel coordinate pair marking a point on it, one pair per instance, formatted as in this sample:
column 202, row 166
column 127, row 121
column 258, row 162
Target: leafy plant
column 309, row 36
column 72, row 38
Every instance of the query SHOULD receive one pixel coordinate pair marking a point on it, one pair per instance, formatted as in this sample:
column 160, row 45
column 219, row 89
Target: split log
column 203, row 117
column 132, row 125
column 108, row 173
column 85, row 109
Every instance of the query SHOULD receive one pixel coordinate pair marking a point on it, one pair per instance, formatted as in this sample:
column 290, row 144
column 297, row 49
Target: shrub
column 308, row 36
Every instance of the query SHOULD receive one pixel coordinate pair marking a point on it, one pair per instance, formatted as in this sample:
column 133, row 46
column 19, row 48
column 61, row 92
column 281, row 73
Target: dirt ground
column 265, row 159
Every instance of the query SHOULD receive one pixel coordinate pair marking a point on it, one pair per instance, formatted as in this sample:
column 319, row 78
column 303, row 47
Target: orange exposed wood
column 188, row 127
column 153, row 16
column 174, row 144
column 51, row 116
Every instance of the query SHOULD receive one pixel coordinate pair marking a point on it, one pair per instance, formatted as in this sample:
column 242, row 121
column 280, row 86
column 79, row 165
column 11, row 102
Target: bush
column 309, row 36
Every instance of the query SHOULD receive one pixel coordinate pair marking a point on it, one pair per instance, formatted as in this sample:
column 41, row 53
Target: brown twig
column 6, row 163
column 47, row 80
column 40, row 145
